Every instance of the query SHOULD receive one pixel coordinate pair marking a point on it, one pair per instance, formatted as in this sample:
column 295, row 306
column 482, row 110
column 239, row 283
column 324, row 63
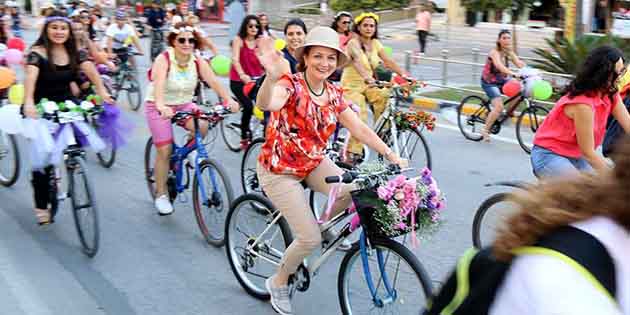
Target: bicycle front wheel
column 255, row 256
column 84, row 207
column 401, row 285
column 414, row 147
column 134, row 93
column 211, row 205
column 9, row 159
column 249, row 176
column 471, row 117
column 527, row 124
column 490, row 216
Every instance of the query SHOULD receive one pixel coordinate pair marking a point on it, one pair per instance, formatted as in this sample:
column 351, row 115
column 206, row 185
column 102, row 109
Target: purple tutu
column 113, row 127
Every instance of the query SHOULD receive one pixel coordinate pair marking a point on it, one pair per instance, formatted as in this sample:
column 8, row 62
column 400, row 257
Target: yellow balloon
column 16, row 94
column 624, row 81
column 128, row 41
column 279, row 44
column 258, row 113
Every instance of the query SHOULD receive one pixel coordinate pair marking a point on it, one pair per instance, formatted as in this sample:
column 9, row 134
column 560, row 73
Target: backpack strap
column 583, row 252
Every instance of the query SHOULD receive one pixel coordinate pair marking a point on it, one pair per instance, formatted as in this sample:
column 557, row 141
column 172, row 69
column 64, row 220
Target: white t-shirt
column 542, row 285
column 119, row 35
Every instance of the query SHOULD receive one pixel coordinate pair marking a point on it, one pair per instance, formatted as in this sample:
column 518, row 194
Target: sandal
column 43, row 217
column 485, row 135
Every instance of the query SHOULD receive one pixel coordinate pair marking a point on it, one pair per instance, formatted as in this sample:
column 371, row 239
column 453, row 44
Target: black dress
column 53, row 84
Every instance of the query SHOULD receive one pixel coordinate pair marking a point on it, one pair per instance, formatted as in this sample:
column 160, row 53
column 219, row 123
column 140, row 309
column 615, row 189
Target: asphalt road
column 160, row 265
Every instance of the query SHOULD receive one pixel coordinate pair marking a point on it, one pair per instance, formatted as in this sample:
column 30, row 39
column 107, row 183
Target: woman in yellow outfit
column 366, row 53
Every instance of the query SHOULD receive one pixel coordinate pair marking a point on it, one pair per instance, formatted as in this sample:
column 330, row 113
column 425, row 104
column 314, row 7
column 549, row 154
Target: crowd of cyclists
column 306, row 89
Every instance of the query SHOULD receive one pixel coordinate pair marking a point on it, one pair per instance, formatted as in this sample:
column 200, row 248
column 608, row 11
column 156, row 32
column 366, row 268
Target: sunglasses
column 253, row 26
column 190, row 40
column 346, row 22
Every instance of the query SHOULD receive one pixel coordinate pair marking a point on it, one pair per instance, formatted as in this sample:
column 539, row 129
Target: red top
column 557, row 133
column 249, row 62
column 296, row 136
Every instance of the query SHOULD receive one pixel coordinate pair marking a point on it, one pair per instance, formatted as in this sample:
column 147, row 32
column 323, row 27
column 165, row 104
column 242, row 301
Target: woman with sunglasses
column 566, row 141
column 366, row 53
column 245, row 68
column 175, row 74
column 52, row 64
column 341, row 25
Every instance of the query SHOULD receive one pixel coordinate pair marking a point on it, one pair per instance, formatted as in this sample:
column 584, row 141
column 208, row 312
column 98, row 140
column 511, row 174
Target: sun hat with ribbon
column 324, row 37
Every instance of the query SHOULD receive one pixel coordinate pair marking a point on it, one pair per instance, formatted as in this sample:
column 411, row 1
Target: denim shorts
column 549, row 164
column 493, row 90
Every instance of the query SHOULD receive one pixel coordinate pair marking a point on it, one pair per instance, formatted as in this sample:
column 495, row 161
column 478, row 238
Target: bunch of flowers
column 404, row 205
column 414, row 119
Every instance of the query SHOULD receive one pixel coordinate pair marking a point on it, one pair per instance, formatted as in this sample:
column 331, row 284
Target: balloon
column 388, row 50
column 542, row 90
column 258, row 113
column 16, row 43
column 221, row 65
column 279, row 44
column 128, row 41
column 13, row 56
column 512, row 88
column 7, row 77
column 16, row 94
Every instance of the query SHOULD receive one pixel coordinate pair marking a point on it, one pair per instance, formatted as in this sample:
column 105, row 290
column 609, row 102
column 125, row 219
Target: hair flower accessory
column 178, row 30
column 364, row 15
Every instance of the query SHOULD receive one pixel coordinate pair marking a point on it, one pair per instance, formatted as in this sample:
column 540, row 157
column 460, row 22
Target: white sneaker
column 163, row 205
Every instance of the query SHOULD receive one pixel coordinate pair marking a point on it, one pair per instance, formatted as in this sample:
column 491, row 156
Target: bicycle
column 255, row 255
column 80, row 189
column 9, row 157
column 529, row 119
column 489, row 217
column 125, row 79
column 212, row 191
column 231, row 129
column 157, row 42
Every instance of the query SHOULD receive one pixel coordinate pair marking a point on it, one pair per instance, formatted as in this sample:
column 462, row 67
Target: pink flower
column 385, row 193
column 399, row 195
column 398, row 181
column 401, row 226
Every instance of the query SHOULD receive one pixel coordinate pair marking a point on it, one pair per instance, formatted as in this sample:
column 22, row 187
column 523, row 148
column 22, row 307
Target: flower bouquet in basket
column 412, row 120
column 400, row 205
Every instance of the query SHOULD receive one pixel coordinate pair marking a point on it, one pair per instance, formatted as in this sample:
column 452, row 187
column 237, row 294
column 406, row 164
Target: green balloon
column 221, row 65
column 388, row 50
column 542, row 90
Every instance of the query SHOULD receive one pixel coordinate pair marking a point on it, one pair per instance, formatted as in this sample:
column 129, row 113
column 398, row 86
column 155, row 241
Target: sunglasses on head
column 191, row 40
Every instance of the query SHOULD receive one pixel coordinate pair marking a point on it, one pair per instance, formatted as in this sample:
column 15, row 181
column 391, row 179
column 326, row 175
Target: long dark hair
column 70, row 45
column 297, row 22
column 355, row 28
column 242, row 32
column 4, row 37
column 597, row 74
column 338, row 17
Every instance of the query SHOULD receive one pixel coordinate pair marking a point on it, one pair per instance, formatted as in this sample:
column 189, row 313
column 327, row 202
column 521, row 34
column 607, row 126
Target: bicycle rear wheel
column 471, row 116
column 134, row 93
column 527, row 124
column 84, row 207
column 231, row 132
column 211, row 212
column 490, row 216
column 249, row 216
column 249, row 177
column 9, row 159
column 401, row 284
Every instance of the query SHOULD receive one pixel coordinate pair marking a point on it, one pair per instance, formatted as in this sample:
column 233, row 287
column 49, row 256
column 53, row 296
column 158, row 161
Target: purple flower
column 401, row 226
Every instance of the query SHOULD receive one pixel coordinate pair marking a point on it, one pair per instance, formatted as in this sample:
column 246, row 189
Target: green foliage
column 354, row 5
column 566, row 57
column 483, row 5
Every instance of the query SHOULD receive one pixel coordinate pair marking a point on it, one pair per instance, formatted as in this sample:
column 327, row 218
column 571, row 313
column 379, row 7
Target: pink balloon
column 13, row 56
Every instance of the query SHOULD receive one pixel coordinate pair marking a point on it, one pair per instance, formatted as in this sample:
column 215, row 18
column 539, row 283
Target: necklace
column 311, row 90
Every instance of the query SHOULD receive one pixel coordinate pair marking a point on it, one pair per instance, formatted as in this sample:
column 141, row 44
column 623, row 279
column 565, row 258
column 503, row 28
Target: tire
column 231, row 132
column 107, row 157
column 352, row 261
column 148, row 167
column 79, row 184
column 525, row 133
column 484, row 224
column 477, row 118
column 134, row 89
column 217, row 205
column 249, row 177
column 10, row 175
column 237, row 240
column 415, row 149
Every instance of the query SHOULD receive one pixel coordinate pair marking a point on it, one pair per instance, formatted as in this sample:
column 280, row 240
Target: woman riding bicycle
column 175, row 78
column 566, row 141
column 52, row 64
column 245, row 68
column 496, row 73
column 304, row 108
column 366, row 54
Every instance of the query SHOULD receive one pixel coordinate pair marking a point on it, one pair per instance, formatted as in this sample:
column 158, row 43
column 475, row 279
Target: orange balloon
column 7, row 77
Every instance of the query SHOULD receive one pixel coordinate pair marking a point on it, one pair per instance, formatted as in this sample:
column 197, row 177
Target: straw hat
column 324, row 37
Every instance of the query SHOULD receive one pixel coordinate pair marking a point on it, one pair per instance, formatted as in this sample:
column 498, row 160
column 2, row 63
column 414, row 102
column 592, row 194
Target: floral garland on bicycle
column 412, row 120
column 400, row 205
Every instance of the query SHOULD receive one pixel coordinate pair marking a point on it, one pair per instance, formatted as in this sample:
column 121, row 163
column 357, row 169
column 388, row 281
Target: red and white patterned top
column 297, row 134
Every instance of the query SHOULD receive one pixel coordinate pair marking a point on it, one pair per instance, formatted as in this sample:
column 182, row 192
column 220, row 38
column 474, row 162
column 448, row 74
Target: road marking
column 494, row 137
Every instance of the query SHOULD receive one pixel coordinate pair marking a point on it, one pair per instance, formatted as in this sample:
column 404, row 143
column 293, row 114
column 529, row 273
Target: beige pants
column 288, row 196
column 377, row 97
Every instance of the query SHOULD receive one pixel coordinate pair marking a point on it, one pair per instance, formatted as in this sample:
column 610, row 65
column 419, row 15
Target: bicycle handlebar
column 218, row 112
column 352, row 176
